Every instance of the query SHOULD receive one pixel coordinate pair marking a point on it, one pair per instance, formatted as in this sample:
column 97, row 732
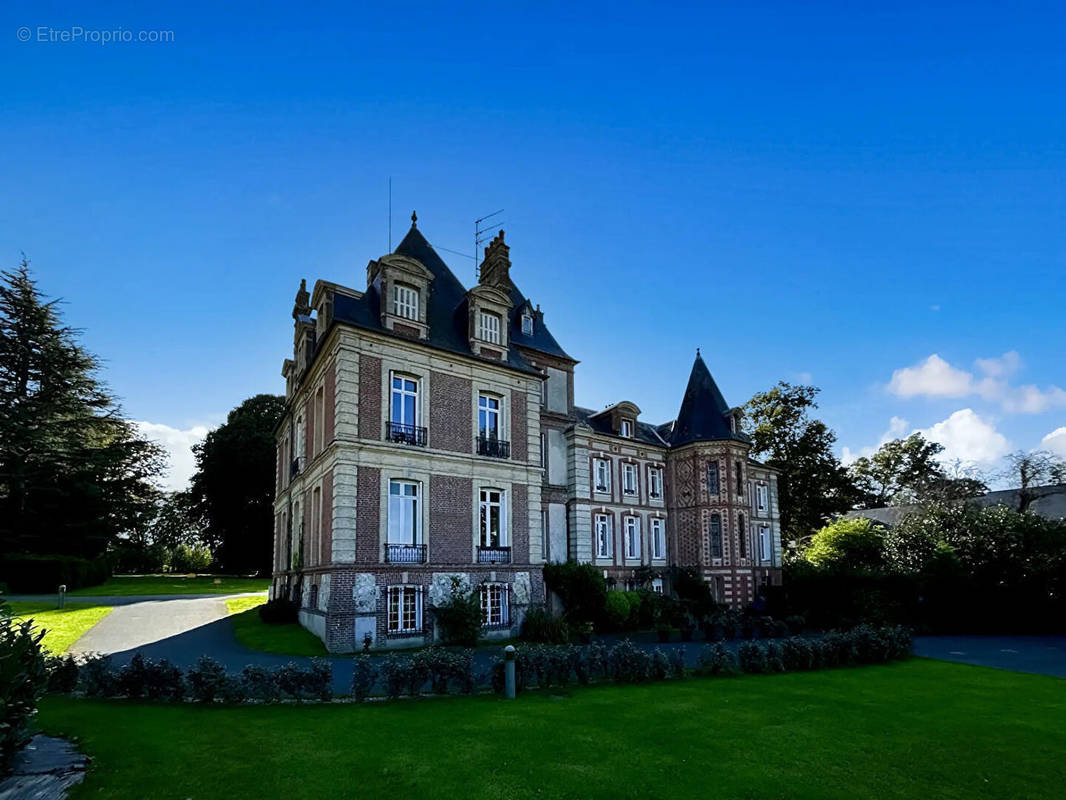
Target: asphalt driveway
column 1041, row 655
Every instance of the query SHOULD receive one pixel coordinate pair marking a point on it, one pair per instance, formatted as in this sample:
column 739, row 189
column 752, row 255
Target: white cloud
column 1055, row 441
column 935, row 377
column 965, row 435
column 897, row 429
column 968, row 438
column 178, row 444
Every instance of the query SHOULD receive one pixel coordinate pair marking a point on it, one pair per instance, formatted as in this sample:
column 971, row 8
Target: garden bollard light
column 61, row 600
column 508, row 670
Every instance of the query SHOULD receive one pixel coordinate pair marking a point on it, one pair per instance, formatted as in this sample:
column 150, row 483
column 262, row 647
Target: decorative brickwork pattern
column 450, row 416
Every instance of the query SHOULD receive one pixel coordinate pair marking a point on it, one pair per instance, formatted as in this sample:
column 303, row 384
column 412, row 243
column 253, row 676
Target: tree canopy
column 73, row 473
column 233, row 487
column 813, row 485
column 847, row 544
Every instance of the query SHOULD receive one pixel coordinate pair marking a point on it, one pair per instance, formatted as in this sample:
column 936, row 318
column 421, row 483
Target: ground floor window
column 632, row 537
column 495, row 605
column 603, row 536
column 764, row 542
column 658, row 539
column 657, row 585
column 405, row 609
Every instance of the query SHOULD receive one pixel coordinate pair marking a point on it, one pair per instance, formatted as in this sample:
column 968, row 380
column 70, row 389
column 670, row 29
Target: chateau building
column 431, row 440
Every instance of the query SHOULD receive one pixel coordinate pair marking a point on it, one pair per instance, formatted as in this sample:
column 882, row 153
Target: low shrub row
column 23, row 679
column 206, row 682
column 546, row 666
column 408, row 674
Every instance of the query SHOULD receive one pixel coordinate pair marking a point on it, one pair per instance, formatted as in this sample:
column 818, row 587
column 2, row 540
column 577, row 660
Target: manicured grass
column 126, row 585
column 63, row 626
column 252, row 632
column 918, row 729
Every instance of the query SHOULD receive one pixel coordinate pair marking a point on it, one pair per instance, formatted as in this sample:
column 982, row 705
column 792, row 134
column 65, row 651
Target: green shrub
column 540, row 625
column 62, row 674
column 190, row 558
column 629, row 664
column 717, row 659
column 23, row 680
column 677, row 662
column 395, row 671
column 364, row 674
column 581, row 588
column 260, row 683
column 43, row 574
column 156, row 680
column 97, row 678
column 209, row 682
column 797, row 654
column 459, row 617
column 617, row 609
column 752, row 657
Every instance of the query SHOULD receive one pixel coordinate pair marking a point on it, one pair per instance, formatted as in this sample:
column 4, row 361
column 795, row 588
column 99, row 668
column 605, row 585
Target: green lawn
column 63, row 626
column 919, row 729
column 252, row 632
column 126, row 585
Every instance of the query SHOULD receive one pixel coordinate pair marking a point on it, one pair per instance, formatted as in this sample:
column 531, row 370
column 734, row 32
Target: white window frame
column 399, row 613
column 764, row 543
column 489, row 418
column 627, row 428
column 629, row 478
column 495, row 605
column 488, row 327
column 655, row 482
column 632, row 538
column 403, row 392
column 762, row 496
column 490, row 498
column 601, row 465
column 657, row 585
column 393, row 532
column 601, row 526
column 527, row 325
column 405, row 301
column 658, row 538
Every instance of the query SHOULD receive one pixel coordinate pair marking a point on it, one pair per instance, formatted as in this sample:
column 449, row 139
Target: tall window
column 740, row 478
column 629, row 478
column 488, row 327
column 602, row 524
column 655, row 482
column 543, row 451
column 716, row 535
column 712, row 477
column 492, row 521
column 405, row 513
column 405, row 609
column 488, row 416
column 527, row 325
column 627, row 428
column 632, row 537
column 320, row 419
column 602, row 469
column 495, row 608
column 404, row 400
column 764, row 542
column 405, row 301
column 658, row 538
column 742, row 533
column 762, row 497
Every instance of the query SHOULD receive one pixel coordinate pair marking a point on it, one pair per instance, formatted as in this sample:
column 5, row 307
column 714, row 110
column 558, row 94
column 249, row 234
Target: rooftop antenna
column 483, row 234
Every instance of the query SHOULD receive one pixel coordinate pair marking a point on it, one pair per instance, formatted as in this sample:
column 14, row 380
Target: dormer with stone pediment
column 489, row 303
column 403, row 285
column 622, row 418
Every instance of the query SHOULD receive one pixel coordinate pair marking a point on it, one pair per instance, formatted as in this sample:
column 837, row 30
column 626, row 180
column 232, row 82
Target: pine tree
column 73, row 473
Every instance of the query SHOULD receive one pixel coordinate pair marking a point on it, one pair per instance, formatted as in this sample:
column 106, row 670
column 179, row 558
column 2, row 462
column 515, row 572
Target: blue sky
column 807, row 192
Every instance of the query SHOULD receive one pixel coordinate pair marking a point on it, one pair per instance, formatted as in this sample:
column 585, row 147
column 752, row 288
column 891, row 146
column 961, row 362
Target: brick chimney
column 496, row 268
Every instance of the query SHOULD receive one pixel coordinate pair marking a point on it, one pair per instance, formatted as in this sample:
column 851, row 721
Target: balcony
column 494, row 555
column 405, row 554
column 405, row 434
column 493, row 447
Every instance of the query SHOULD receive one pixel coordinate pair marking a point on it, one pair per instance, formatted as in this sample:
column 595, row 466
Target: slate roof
column 704, row 414
column 446, row 310
column 1050, row 504
column 645, row 432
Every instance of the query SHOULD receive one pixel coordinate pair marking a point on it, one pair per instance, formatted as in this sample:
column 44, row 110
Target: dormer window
column 405, row 301
column 627, row 428
column 527, row 325
column 488, row 327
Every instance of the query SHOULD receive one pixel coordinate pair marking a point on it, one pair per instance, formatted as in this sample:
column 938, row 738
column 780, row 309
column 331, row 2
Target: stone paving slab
column 44, row 770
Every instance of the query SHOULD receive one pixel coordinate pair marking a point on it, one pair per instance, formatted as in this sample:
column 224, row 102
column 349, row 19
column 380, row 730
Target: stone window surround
column 420, row 372
column 608, row 557
column 596, row 461
column 627, row 558
column 388, row 475
column 502, row 392
column 506, row 487
column 651, row 538
column 419, row 597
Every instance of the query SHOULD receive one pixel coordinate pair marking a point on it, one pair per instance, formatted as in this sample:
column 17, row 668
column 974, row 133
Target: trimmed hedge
column 37, row 574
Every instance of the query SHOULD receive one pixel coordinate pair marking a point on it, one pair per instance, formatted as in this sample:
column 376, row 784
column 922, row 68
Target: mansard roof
column 601, row 423
column 446, row 310
column 704, row 415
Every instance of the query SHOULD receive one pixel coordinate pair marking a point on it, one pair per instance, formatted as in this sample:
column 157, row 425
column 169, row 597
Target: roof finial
column 697, row 352
column 414, row 220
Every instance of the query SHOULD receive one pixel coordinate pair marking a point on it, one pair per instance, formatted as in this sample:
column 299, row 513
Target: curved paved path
column 1042, row 655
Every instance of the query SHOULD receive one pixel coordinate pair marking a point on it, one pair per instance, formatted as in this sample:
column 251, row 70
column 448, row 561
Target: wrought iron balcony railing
column 492, row 447
column 494, row 555
column 405, row 553
column 296, row 467
column 405, row 434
